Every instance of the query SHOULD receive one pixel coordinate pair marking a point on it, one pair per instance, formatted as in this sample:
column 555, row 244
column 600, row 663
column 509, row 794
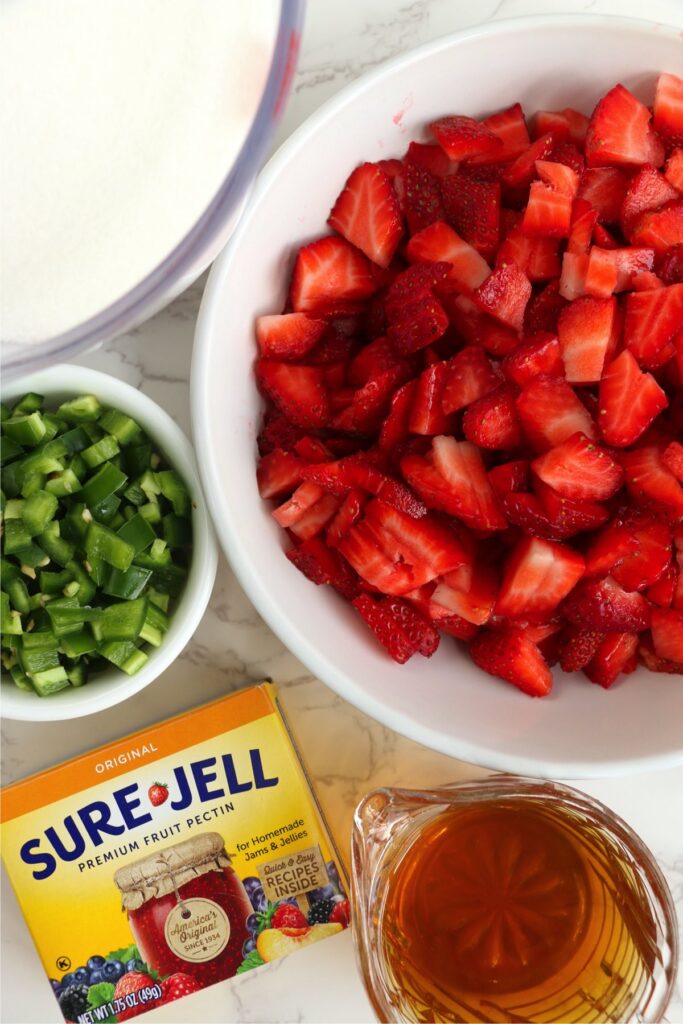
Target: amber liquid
column 515, row 911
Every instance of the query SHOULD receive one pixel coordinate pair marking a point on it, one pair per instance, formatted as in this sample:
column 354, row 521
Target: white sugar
column 118, row 121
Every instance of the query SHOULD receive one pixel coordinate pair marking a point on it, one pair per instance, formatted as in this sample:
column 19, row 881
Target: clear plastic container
column 201, row 244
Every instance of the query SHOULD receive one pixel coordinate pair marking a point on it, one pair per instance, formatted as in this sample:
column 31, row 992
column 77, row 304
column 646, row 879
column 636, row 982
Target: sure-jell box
column 173, row 859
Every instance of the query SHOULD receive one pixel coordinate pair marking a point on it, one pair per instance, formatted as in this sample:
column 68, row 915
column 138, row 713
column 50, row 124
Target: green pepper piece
column 4, row 412
column 16, row 536
column 75, row 645
column 32, row 557
column 137, row 459
column 57, row 547
column 175, row 491
column 106, row 510
column 20, row 679
column 77, row 674
column 101, row 451
column 18, row 594
column 9, row 449
column 14, row 508
column 125, row 655
column 31, row 483
column 135, row 494
column 65, row 615
column 123, row 428
column 31, row 402
column 159, row 600
column 86, row 588
column 151, row 512
column 129, row 584
column 52, row 425
column 150, row 485
column 122, row 621
column 84, row 409
column 137, row 532
column 101, row 542
column 25, row 430
column 107, row 480
column 63, row 483
column 177, row 531
column 10, row 621
column 39, row 509
column 50, row 680
column 52, row 583
column 38, row 652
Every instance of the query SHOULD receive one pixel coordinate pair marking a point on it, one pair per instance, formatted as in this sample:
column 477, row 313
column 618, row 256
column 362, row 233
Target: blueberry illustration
column 248, row 946
column 55, row 984
column 333, row 875
column 67, row 980
column 95, row 962
column 134, row 965
column 96, row 976
column 252, row 923
column 250, row 883
column 113, row 970
column 81, row 976
column 325, row 892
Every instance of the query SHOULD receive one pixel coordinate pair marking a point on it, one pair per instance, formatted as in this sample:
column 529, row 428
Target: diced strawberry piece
column 386, row 628
column 504, row 295
column 536, row 578
column 303, row 499
column 585, row 330
column 651, row 661
column 567, row 124
column 647, row 190
column 601, row 274
column 416, row 317
column 539, row 355
column 604, row 605
column 492, row 421
column 288, row 336
column 578, row 468
column 604, row 238
column 439, row 243
column 469, row 376
column 620, row 132
column 469, row 592
column 550, row 413
column 462, row 137
column 329, row 274
column 510, row 476
column 298, row 391
column 315, row 518
column 368, row 215
column 427, row 416
column 472, row 207
column 647, row 478
column 548, row 212
column 667, row 634
column 567, row 153
column 513, row 657
column 569, row 516
column 615, row 654
column 643, row 567
column 659, row 229
column 369, row 404
column 630, row 400
column 526, row 512
column 558, row 176
column 522, row 171
column 395, row 428
column 453, row 479
column 574, row 274
column 668, row 117
column 663, row 590
column 479, row 329
column 544, row 309
column 373, row 359
column 628, row 262
column 423, row 200
column 430, row 157
column 604, row 188
column 672, row 458
column 278, row 473
column 577, row 647
column 673, row 169
column 537, row 256
column 510, row 127
column 349, row 513
column 652, row 319
column 609, row 548
column 584, row 218
column 277, row 432
column 322, row 566
column 671, row 265
column 645, row 280
column 395, row 171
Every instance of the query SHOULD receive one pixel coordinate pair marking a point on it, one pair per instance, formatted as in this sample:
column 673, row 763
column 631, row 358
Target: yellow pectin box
column 172, row 859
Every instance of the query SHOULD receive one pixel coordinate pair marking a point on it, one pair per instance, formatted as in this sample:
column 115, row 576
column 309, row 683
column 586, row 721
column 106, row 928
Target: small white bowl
column 113, row 686
column 545, row 62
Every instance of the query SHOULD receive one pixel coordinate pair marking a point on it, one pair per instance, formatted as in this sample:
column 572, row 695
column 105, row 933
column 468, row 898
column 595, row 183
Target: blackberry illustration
column 74, row 1001
column 320, row 912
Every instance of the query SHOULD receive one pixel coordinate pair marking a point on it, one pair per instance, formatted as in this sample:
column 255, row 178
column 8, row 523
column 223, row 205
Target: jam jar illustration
column 187, row 909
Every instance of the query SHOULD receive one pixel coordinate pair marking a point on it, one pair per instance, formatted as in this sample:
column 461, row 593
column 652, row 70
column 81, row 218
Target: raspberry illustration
column 176, row 986
column 158, row 794
column 132, row 983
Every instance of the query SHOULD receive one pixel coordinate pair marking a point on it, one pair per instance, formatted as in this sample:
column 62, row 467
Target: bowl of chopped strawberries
column 438, row 402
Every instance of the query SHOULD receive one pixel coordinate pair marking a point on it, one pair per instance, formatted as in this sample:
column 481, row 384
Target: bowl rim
column 69, row 378
column 149, row 294
column 256, row 588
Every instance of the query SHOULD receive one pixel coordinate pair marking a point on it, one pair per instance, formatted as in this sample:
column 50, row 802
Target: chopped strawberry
column 526, row 512
column 538, row 355
column 329, row 274
column 369, row 404
column 536, row 577
column 379, row 355
column 395, row 427
column 315, row 518
column 509, row 477
column 609, row 548
column 642, row 567
column 323, row 566
column 672, row 458
column 574, row 274
column 648, row 479
column 550, row 413
column 578, row 468
column 439, row 243
column 558, row 176
column 577, row 647
column 548, row 212
column 569, row 516
column 537, row 256
column 585, row 330
column 278, row 473
column 652, row 320
column 647, row 190
column 662, row 592
column 385, row 627
column 584, row 218
column 673, row 169
column 472, row 207
column 604, row 605
column 492, row 421
column 659, row 229
column 629, row 262
column 367, row 214
column 479, row 329
column 469, row 376
column 468, row 592
column 570, row 155
column 513, row 657
column 604, row 188
column 522, row 171
column 288, row 336
column 452, row 478
column 601, row 274
column 544, row 309
column 630, row 399
column 427, row 416
column 671, row 265
column 462, row 137
column 668, row 117
column 423, row 200
column 510, row 127
column 620, row 132
column 667, row 634
column 416, row 317
column 298, row 391
column 565, row 124
column 431, row 157
column 356, row 473
column 604, row 238
column 615, row 654
column 504, row 295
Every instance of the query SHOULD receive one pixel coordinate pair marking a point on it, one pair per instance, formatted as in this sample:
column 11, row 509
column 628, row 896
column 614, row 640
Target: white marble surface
column 347, row 753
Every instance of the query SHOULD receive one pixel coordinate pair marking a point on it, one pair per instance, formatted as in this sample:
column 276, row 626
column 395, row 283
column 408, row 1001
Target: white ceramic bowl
column 112, row 686
column 446, row 703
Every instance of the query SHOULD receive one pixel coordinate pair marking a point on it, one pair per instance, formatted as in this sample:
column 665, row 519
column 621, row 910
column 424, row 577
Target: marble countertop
column 347, row 754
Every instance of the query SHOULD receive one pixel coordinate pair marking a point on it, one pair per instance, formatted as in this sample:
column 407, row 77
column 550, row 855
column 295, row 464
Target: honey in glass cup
column 508, row 899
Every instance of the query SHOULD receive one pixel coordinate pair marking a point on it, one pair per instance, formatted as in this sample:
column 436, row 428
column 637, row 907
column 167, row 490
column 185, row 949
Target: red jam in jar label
column 202, row 829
